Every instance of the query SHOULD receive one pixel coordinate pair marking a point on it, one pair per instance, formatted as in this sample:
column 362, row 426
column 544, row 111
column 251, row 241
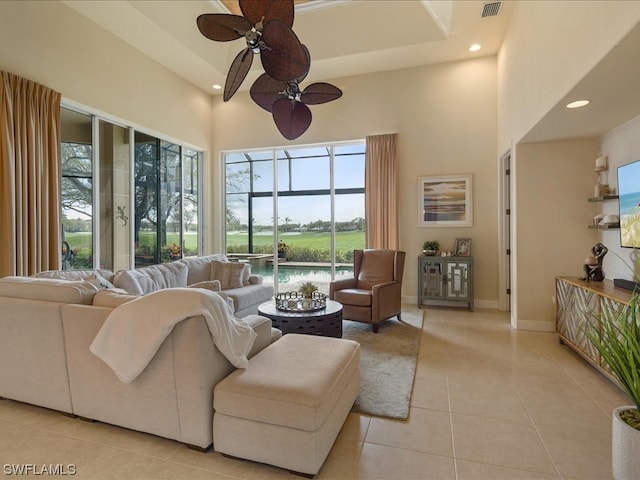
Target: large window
column 124, row 206
column 305, row 203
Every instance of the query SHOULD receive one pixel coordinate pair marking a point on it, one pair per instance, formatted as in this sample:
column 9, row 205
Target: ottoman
column 287, row 408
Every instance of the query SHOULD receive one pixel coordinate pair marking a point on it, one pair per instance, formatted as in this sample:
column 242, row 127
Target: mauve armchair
column 374, row 293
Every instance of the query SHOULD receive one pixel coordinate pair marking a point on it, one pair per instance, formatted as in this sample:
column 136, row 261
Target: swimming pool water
column 291, row 274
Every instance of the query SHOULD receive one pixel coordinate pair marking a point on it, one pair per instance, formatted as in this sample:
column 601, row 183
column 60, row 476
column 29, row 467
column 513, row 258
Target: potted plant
column 615, row 334
column 430, row 247
column 307, row 289
column 283, row 248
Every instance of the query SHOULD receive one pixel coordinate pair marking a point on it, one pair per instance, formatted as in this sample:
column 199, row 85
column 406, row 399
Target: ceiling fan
column 266, row 26
column 288, row 103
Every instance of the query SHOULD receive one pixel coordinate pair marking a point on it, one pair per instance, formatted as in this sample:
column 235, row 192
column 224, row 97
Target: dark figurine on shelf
column 593, row 265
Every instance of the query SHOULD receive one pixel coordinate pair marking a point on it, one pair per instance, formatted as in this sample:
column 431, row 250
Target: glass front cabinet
column 445, row 281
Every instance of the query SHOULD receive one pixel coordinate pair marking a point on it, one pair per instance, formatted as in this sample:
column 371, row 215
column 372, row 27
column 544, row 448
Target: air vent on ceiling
column 491, row 9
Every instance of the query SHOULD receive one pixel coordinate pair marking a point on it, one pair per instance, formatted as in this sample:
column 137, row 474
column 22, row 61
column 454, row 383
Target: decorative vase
column 429, row 252
column 625, row 445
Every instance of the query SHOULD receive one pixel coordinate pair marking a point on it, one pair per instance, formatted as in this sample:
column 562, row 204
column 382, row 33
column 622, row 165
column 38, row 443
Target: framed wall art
column 445, row 201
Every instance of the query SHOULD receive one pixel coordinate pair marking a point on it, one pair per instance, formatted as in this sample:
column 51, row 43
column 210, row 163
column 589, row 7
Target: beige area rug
column 387, row 363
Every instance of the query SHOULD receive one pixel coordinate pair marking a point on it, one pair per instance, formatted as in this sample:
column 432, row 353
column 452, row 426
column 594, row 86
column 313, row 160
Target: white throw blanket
column 133, row 332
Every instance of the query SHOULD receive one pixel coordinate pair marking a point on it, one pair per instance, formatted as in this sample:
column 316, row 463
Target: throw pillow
column 229, row 273
column 99, row 281
column 246, row 274
column 213, row 285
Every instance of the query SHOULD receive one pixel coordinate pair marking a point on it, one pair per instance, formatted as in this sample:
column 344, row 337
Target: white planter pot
column 625, row 448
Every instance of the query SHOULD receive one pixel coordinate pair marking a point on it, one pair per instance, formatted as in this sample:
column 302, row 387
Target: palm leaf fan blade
column 222, row 27
column 265, row 91
column 237, row 72
column 291, row 118
column 264, row 10
column 284, row 58
column 320, row 92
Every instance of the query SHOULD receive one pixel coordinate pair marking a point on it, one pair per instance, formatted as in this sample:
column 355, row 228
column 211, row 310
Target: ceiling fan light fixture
column 475, row 47
column 216, row 86
column 578, row 103
column 266, row 26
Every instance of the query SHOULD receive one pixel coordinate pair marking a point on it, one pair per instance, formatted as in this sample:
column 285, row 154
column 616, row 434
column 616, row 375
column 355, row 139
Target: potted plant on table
column 430, row 247
column 283, row 248
column 307, row 289
column 615, row 334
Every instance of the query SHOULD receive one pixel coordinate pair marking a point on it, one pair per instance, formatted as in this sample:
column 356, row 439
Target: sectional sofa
column 207, row 376
column 48, row 324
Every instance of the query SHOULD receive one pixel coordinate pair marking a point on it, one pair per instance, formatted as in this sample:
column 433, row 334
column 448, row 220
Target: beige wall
column 548, row 48
column 47, row 42
column 445, row 117
column 553, row 182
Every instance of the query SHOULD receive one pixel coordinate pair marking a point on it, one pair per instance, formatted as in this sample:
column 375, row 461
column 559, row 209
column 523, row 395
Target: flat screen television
column 629, row 202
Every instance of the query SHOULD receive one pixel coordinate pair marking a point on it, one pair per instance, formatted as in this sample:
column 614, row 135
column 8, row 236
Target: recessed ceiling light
column 475, row 47
column 578, row 103
column 217, row 87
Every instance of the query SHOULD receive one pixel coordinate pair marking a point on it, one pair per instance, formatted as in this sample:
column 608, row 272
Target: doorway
column 505, row 202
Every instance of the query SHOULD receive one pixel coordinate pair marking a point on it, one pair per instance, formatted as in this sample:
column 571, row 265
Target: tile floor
column 488, row 403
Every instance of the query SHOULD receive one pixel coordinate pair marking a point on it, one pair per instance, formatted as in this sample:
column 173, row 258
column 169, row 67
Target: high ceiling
column 345, row 37
column 352, row 37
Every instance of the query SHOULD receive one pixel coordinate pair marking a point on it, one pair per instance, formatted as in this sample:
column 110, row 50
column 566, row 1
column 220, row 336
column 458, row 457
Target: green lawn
column 83, row 239
column 303, row 247
column 307, row 246
column 321, row 240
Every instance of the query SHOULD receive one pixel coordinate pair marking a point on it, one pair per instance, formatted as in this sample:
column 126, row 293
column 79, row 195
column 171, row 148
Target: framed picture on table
column 462, row 247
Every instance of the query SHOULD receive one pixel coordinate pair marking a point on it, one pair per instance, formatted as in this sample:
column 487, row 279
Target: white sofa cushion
column 213, row 285
column 154, row 277
column 48, row 289
column 112, row 298
column 75, row 274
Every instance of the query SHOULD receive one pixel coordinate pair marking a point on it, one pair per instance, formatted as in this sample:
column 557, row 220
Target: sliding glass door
column 128, row 198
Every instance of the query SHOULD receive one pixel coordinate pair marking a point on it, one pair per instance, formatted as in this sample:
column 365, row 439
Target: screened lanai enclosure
column 296, row 214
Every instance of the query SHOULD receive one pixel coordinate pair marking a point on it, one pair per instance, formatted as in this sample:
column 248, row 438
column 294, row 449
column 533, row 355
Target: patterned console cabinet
column 579, row 303
column 445, row 281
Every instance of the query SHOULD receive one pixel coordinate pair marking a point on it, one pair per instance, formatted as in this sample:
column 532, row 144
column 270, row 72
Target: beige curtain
column 381, row 194
column 29, row 176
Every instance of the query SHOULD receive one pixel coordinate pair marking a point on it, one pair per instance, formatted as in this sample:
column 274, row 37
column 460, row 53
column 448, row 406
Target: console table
column 577, row 304
column 445, row 281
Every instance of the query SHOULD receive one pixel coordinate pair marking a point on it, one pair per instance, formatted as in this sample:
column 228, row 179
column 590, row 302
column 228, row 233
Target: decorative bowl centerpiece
column 298, row 302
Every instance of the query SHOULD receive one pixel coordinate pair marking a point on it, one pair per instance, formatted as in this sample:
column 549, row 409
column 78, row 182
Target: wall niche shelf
column 609, row 226
column 603, row 198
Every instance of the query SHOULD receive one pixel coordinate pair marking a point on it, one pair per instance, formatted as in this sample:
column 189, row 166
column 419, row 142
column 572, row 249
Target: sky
column 308, row 169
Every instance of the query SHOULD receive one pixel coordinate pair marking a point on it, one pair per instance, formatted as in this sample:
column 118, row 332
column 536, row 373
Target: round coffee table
column 326, row 322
